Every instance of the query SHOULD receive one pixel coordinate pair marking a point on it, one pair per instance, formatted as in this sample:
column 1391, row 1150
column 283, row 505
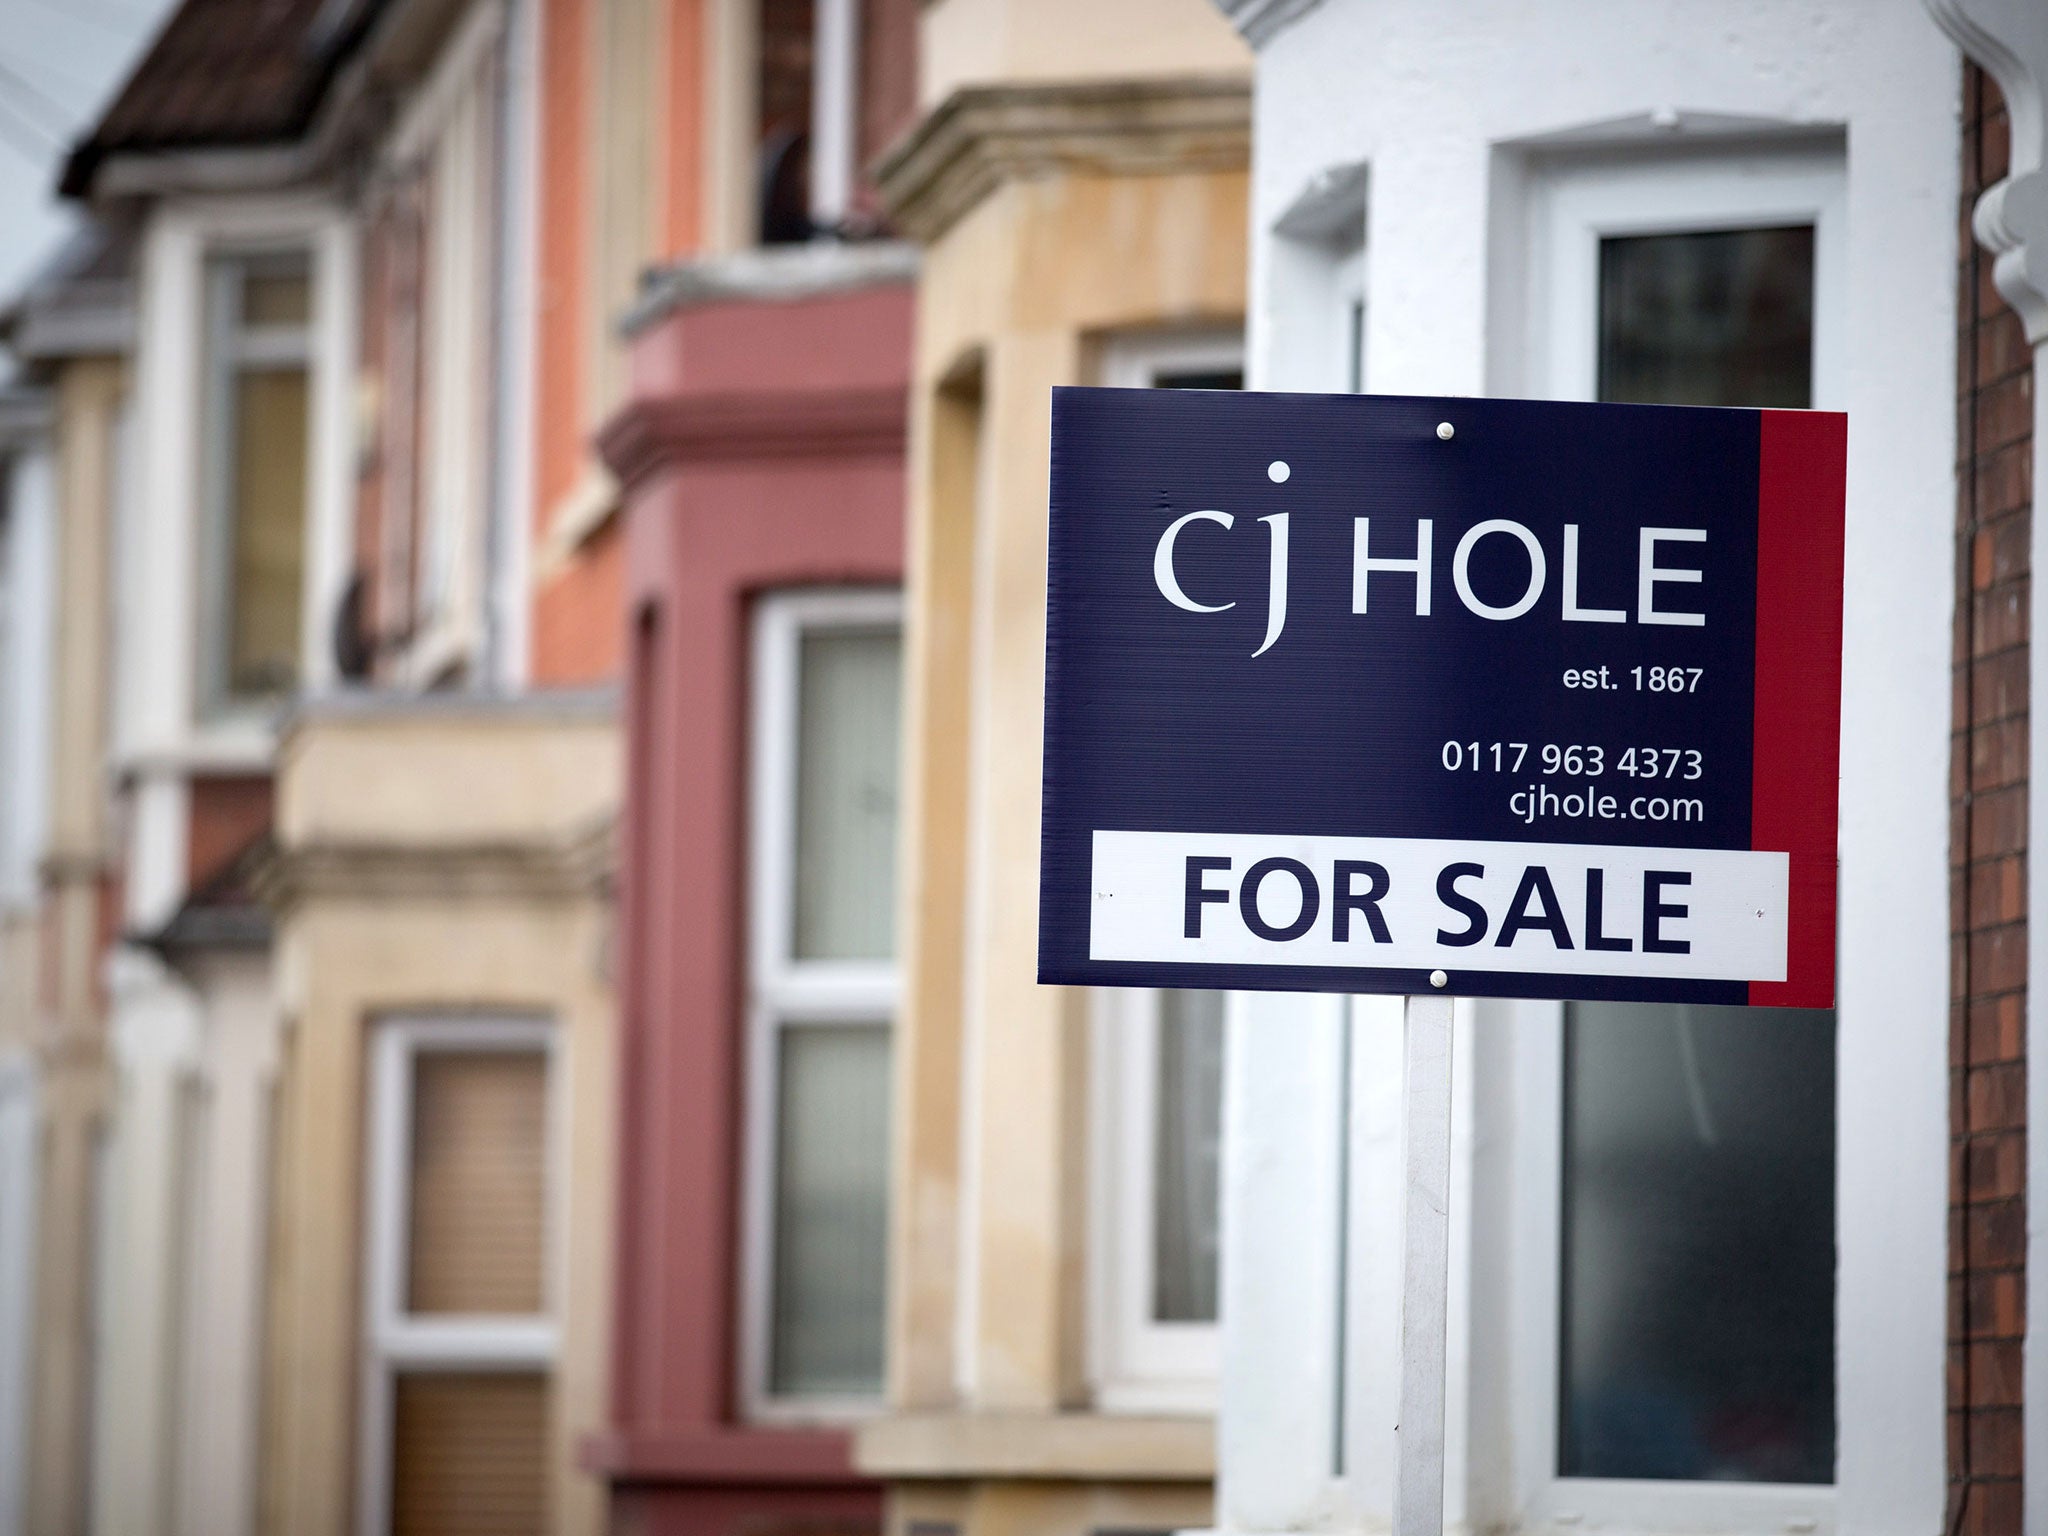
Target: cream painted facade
column 447, row 859
column 27, row 623
column 1061, row 212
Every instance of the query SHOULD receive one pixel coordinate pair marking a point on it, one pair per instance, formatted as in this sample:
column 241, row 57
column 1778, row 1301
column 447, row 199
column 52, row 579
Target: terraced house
column 325, row 1000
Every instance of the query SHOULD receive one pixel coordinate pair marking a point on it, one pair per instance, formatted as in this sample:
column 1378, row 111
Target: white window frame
column 1141, row 360
column 1579, row 203
column 394, row 1340
column 230, row 347
column 1348, row 279
column 1574, row 206
column 781, row 990
column 161, row 729
column 1136, row 1364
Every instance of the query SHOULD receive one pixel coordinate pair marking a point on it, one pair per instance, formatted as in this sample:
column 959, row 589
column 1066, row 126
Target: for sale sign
column 1343, row 691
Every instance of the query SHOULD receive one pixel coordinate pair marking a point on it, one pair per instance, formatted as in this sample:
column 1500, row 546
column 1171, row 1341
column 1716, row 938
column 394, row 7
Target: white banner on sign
column 1239, row 899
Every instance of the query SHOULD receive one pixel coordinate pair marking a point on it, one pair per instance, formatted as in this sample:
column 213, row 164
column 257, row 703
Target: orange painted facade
column 682, row 138
column 577, row 631
column 576, row 635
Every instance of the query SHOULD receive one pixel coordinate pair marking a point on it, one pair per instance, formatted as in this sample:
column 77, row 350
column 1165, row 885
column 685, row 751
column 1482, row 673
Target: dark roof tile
column 224, row 74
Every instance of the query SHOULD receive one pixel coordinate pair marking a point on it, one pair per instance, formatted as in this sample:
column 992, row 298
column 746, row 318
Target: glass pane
column 1699, row 1165
column 1716, row 318
column 1187, row 1153
column 1207, row 378
column 846, row 793
column 276, row 292
column 469, row 1454
column 1699, row 1244
column 477, row 1208
column 831, row 1210
column 267, row 529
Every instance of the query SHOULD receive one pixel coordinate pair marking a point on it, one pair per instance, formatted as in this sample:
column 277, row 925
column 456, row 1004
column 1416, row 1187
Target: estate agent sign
column 1496, row 697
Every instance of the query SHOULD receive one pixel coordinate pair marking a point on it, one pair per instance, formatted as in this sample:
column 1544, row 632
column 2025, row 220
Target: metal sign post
column 1425, row 1264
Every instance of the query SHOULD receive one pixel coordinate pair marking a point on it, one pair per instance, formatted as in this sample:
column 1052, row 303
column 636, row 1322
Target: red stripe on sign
column 1796, row 775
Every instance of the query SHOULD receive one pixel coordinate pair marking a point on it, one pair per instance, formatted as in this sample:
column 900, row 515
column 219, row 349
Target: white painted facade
column 1472, row 151
column 152, row 1039
column 226, row 1124
column 183, row 1226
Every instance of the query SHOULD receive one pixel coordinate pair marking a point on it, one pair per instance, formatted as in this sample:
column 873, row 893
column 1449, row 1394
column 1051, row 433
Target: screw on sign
column 1433, row 697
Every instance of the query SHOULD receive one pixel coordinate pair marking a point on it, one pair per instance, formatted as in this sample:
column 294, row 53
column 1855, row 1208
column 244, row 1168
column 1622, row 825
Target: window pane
column 276, row 293
column 1699, row 1166
column 1718, row 318
column 1188, row 1145
column 846, row 793
column 1699, row 1244
column 267, row 527
column 469, row 1454
column 831, row 1207
column 477, row 1212
column 1211, row 378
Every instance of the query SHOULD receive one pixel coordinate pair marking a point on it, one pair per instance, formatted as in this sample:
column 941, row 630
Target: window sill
column 1096, row 1446
column 237, row 743
column 577, row 518
column 726, row 1454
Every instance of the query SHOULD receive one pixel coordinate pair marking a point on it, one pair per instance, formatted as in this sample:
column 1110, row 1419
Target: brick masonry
column 1988, row 927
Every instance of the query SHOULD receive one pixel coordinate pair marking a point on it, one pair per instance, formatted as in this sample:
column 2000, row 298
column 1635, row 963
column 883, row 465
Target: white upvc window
column 244, row 372
column 459, row 1282
column 255, row 473
column 1156, row 1093
column 1669, row 1290
column 1207, row 359
column 822, row 985
column 1592, row 224
column 1157, row 1112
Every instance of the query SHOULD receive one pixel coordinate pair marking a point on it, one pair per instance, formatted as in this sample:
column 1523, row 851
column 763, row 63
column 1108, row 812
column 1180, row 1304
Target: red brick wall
column 1988, row 797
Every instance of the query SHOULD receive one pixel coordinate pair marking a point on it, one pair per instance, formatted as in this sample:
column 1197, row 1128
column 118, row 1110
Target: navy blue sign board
column 1342, row 690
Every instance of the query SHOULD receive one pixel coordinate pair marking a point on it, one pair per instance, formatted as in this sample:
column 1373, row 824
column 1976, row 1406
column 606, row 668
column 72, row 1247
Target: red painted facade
column 761, row 450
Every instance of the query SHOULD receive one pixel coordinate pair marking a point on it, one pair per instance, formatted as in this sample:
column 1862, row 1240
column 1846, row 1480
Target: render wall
column 1446, row 110
column 762, row 450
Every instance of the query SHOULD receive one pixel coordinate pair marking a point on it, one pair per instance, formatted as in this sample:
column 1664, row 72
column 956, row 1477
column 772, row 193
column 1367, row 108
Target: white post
column 835, row 98
column 1425, row 1266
